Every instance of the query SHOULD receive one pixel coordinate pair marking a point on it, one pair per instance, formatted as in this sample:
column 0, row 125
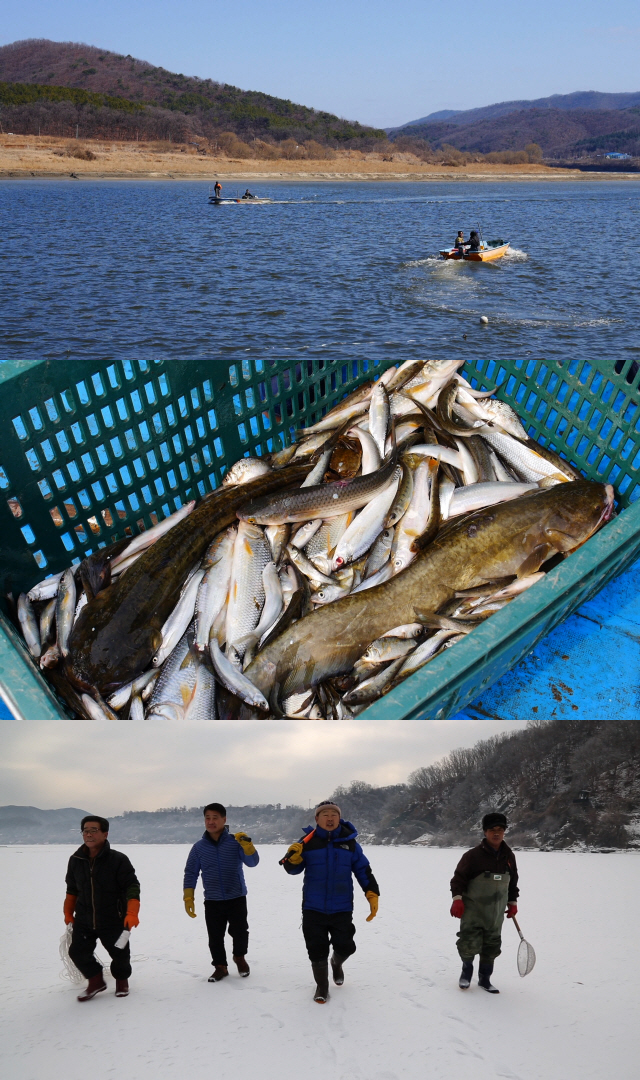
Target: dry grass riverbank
column 46, row 156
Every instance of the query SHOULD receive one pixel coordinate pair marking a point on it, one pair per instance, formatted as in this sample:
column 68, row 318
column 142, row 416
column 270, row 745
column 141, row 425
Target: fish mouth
column 608, row 510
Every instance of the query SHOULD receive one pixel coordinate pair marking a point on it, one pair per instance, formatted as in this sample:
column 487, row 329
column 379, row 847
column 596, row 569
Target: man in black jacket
column 486, row 879
column 103, row 899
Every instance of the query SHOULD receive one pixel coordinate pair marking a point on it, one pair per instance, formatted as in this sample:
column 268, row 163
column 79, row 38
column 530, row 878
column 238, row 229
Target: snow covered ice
column 399, row 1015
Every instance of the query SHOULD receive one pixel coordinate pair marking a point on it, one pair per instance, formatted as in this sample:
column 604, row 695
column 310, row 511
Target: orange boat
column 489, row 252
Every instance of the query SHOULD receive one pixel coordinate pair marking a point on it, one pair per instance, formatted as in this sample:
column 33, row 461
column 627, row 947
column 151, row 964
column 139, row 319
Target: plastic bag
column 69, row 969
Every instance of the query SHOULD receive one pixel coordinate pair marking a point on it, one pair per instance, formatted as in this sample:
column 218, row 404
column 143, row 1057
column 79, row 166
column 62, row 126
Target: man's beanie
column 327, row 804
column 489, row 820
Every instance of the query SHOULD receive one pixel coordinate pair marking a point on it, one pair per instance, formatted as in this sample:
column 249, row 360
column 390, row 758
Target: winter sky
column 370, row 60
column 124, row 766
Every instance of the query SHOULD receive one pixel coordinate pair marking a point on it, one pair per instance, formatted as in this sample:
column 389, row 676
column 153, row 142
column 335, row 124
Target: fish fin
column 534, row 561
column 561, row 541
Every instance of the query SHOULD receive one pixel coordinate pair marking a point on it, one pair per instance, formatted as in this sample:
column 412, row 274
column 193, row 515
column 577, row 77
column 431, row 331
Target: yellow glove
column 294, row 854
column 373, row 898
column 245, row 843
column 190, row 903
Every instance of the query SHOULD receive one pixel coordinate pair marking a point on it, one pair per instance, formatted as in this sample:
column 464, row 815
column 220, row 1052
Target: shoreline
column 49, row 158
column 560, row 176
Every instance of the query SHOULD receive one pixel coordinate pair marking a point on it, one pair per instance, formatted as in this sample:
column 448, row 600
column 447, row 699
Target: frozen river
column 400, row 1014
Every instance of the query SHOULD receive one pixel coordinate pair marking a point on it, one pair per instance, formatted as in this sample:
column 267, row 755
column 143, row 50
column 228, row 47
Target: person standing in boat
column 474, row 241
column 217, row 189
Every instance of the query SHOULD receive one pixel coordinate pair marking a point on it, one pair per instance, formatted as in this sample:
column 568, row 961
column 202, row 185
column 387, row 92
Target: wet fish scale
column 251, row 553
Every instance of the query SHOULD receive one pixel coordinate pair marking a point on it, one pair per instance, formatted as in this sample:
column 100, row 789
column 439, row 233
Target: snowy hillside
column 399, row 1016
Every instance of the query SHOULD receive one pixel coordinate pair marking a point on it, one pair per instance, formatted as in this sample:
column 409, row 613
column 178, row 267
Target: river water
column 132, row 268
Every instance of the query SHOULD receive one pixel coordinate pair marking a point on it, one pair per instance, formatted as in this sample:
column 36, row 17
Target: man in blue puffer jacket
column 329, row 857
column 219, row 857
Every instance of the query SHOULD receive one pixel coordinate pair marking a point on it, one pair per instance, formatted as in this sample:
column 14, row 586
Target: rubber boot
column 242, row 966
column 94, row 986
column 122, row 988
column 485, row 971
column 336, row 967
column 320, row 970
column 464, row 982
column 220, row 972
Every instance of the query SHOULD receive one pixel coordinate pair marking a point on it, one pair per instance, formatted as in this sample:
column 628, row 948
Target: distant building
column 618, row 157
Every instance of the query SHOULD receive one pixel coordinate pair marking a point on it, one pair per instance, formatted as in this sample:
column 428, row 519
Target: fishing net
column 526, row 958
column 69, row 969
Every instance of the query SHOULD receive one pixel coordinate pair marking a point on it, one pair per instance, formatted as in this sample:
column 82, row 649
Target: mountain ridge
column 590, row 100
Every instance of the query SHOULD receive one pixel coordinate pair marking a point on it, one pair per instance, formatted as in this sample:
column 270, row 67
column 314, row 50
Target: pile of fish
column 315, row 580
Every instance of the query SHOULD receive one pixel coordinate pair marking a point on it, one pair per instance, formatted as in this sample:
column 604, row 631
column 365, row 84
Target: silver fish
column 82, row 602
column 388, row 648
column 383, row 574
column 406, row 630
column 136, row 709
column 298, row 705
column 370, row 456
column 323, row 544
column 380, row 552
column 305, row 532
column 29, row 625
column 469, row 468
column 363, row 530
column 179, row 618
column 278, row 538
column 146, row 539
column 121, row 697
column 319, row 469
column 529, row 465
column 416, row 519
column 251, row 553
column 177, row 680
column 244, row 470
column 426, row 651
column 326, row 594
column 202, row 705
column 47, row 616
column 306, row 567
column 65, row 610
column 475, row 496
column 273, row 605
column 373, row 688
column 379, row 413
column 322, row 500
column 214, row 587
column 447, row 488
column 231, row 677
column 47, row 589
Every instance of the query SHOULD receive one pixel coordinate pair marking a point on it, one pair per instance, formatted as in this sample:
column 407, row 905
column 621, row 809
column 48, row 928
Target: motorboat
column 490, row 250
column 214, row 201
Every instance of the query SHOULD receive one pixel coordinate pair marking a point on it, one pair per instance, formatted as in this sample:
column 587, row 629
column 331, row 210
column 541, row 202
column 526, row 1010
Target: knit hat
column 495, row 818
column 327, row 804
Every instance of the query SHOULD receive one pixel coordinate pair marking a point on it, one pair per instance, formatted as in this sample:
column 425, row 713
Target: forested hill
column 580, row 100
column 561, row 133
column 204, row 106
column 562, row 784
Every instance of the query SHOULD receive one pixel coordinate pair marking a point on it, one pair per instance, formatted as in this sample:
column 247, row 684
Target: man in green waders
column 486, row 879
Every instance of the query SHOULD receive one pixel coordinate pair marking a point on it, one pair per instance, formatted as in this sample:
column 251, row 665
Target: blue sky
column 370, row 60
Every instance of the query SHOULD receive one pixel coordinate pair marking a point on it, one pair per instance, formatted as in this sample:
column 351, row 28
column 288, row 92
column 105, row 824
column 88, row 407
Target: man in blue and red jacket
column 220, row 858
column 329, row 857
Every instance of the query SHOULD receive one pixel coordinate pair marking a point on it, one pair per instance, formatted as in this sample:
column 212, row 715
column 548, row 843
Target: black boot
column 485, row 971
column 320, row 970
column 336, row 967
column 464, row 982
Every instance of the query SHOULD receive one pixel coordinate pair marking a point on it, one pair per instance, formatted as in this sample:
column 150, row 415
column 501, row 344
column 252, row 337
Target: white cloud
column 112, row 768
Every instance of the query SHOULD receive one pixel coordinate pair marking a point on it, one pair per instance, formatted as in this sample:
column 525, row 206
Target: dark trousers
column 83, row 943
column 219, row 913
column 319, row 929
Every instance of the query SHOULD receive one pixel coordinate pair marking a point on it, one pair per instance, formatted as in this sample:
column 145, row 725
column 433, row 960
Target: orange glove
column 68, row 908
column 373, row 899
column 131, row 918
column 512, row 909
column 457, row 908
